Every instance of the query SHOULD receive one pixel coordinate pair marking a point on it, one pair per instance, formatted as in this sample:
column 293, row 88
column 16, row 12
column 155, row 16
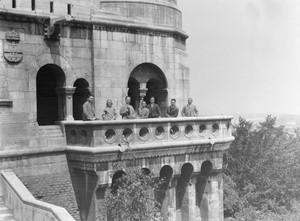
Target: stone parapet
column 148, row 133
column 154, row 12
column 25, row 206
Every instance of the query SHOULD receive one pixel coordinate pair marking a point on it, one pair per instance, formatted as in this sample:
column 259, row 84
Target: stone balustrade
column 147, row 133
column 24, row 206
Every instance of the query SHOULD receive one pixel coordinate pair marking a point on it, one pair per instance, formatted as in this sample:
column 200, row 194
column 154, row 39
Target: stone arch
column 147, row 80
column 117, row 175
column 136, row 59
column 32, row 69
column 146, row 171
column 48, row 58
column 183, row 198
column 49, row 77
column 80, row 96
column 203, row 189
column 80, row 73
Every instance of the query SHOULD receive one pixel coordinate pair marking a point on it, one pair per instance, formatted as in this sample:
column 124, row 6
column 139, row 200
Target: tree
column 131, row 197
column 264, row 169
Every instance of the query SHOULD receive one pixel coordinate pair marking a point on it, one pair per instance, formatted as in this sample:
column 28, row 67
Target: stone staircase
column 5, row 213
column 51, row 136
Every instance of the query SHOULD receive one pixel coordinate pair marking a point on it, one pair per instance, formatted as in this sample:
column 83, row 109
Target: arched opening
column 162, row 195
column 146, row 171
column 182, row 193
column 134, row 92
column 155, row 85
column 203, row 190
column 114, row 183
column 48, row 78
column 80, row 96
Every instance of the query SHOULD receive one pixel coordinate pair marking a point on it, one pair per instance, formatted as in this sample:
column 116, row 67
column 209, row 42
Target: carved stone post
column 143, row 91
column 65, row 103
column 61, row 105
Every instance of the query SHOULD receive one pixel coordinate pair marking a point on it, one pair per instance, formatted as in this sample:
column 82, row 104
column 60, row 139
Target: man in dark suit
column 172, row 110
column 154, row 110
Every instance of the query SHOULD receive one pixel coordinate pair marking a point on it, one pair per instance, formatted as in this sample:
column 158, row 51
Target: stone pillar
column 61, row 104
column 65, row 103
column 101, row 212
column 171, row 193
column 215, row 207
column 191, row 191
column 143, row 91
column 210, row 197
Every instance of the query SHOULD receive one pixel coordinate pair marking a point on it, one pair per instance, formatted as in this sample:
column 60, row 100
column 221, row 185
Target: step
column 3, row 210
column 50, row 131
column 6, row 216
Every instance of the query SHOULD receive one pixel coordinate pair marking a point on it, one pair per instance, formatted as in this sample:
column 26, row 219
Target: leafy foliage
column 263, row 174
column 132, row 197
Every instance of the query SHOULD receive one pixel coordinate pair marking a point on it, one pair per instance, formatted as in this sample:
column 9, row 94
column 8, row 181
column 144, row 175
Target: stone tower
column 54, row 54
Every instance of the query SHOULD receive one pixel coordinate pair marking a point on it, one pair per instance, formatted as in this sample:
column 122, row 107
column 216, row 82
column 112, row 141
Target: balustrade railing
column 147, row 131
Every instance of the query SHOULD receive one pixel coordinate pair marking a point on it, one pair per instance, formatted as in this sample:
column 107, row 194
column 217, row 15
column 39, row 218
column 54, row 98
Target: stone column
column 101, row 212
column 191, row 190
column 65, row 103
column 171, row 193
column 143, row 91
column 61, row 105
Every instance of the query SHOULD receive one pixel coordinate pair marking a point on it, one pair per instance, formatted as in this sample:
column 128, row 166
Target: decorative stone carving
column 12, row 47
column 65, row 103
column 52, row 32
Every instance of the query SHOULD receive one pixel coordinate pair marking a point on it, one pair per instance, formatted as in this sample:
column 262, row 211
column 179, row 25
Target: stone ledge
column 28, row 152
column 151, row 146
column 157, row 2
column 102, row 18
column 149, row 120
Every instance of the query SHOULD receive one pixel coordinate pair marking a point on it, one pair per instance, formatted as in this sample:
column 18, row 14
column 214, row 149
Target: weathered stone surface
column 111, row 53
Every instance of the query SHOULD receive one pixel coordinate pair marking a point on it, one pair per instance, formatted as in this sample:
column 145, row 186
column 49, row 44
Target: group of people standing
column 152, row 110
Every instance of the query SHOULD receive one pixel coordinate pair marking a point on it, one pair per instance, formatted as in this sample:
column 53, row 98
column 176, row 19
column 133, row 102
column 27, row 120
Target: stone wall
column 47, row 177
column 150, row 12
column 104, row 57
column 116, row 54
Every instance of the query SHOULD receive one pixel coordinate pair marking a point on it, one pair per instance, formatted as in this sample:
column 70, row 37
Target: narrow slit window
column 69, row 9
column 32, row 5
column 51, row 7
column 14, row 5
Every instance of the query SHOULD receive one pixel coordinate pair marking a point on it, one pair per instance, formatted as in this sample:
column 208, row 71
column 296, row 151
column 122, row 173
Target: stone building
column 53, row 55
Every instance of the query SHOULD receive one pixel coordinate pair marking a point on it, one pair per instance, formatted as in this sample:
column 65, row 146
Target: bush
column 131, row 197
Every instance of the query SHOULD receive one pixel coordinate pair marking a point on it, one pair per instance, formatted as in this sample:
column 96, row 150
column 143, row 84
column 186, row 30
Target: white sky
column 244, row 55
